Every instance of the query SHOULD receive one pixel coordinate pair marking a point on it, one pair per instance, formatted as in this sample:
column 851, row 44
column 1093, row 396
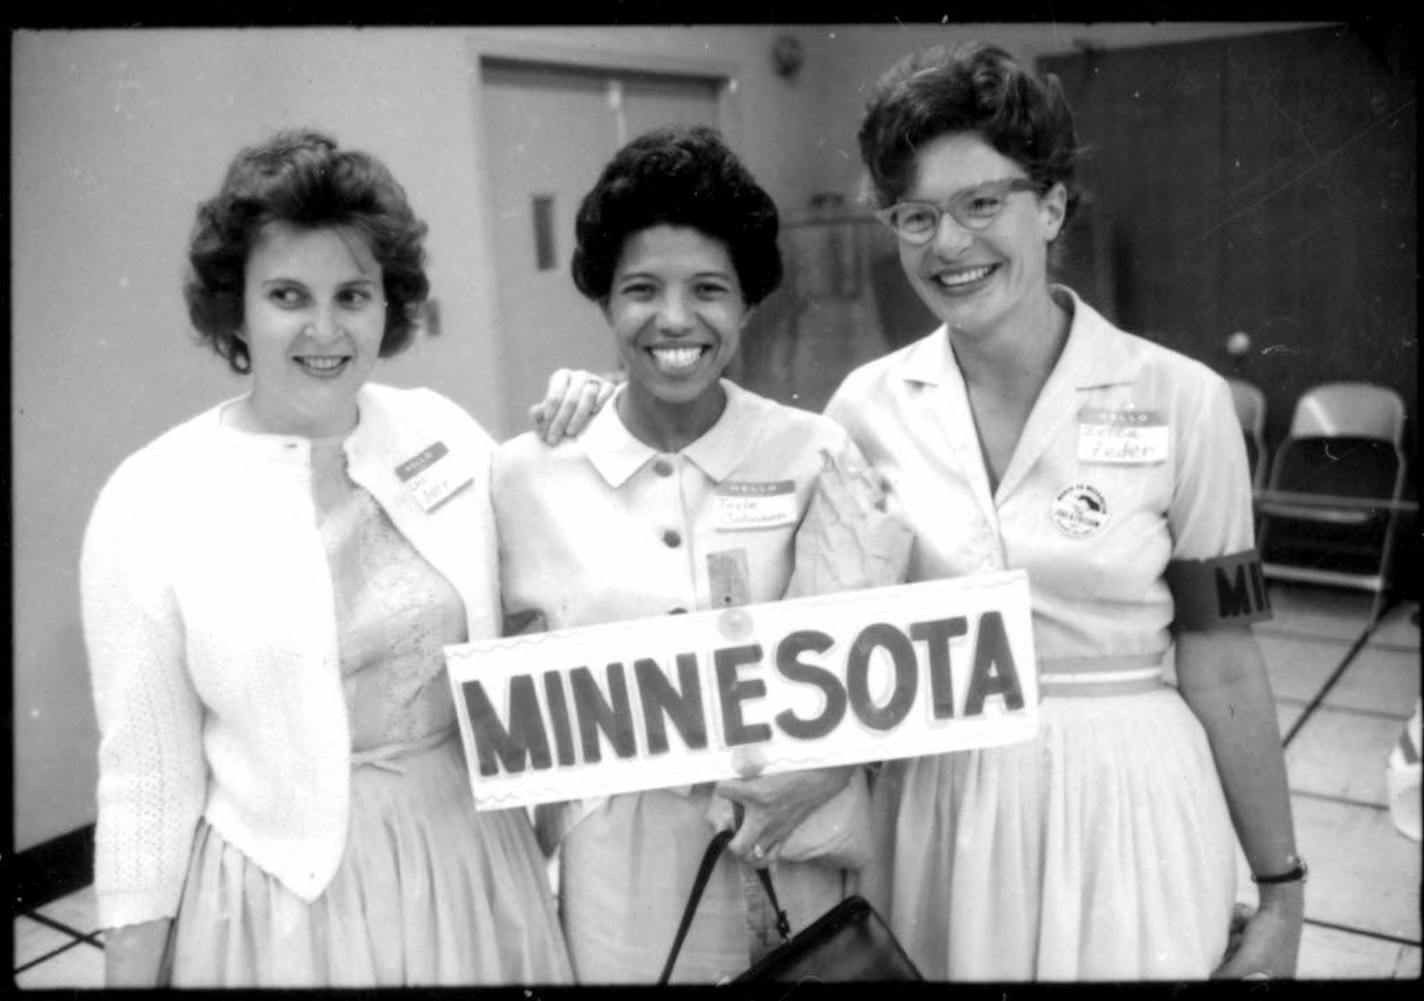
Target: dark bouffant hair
column 301, row 177
column 971, row 88
column 677, row 176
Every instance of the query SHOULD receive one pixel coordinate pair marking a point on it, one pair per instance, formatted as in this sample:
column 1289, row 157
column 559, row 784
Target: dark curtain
column 1264, row 184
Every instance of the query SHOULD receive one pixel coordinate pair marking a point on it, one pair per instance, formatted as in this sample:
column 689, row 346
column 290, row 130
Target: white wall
column 776, row 117
column 115, row 137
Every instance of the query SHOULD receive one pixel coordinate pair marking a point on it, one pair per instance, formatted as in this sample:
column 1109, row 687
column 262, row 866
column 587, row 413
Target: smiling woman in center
column 677, row 310
column 685, row 495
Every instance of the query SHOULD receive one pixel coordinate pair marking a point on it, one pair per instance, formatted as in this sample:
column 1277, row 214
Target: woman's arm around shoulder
column 572, row 398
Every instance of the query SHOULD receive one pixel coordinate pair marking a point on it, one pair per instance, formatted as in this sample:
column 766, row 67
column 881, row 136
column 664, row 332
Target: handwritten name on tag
column 746, row 506
column 434, row 475
column 1122, row 437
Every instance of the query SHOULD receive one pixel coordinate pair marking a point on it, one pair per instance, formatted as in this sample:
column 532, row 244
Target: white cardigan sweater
column 210, row 624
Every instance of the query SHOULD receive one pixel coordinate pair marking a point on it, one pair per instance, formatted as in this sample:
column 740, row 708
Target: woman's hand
column 1268, row 945
column 133, row 954
column 1222, row 677
column 573, row 397
column 848, row 539
column 775, row 805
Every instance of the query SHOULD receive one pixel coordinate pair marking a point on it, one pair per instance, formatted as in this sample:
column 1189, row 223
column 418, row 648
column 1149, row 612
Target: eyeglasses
column 973, row 208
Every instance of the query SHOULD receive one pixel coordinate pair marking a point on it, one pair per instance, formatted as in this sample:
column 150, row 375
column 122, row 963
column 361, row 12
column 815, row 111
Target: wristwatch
column 1296, row 873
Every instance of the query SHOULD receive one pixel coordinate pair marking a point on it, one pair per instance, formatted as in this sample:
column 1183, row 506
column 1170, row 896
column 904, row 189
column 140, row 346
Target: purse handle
column 704, row 873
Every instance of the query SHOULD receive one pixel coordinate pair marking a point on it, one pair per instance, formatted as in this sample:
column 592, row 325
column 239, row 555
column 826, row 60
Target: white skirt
column 1101, row 850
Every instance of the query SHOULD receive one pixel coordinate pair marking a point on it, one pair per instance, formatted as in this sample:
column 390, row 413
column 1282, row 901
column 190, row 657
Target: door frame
column 564, row 56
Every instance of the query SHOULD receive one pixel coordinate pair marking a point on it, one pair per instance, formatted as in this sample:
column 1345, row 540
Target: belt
column 385, row 755
column 1124, row 674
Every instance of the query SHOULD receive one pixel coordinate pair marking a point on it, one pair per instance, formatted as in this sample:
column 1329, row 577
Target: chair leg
column 1386, row 567
column 1377, row 606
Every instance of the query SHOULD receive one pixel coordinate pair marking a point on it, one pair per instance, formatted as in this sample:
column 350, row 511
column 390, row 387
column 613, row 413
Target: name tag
column 728, row 578
column 1122, row 437
column 434, row 476
column 747, row 506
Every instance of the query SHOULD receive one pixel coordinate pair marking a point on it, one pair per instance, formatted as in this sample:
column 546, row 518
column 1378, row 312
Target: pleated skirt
column 626, row 873
column 429, row 892
column 1101, row 850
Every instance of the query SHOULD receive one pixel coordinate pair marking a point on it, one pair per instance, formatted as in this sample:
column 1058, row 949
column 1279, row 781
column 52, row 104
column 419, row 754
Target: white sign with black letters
column 833, row 679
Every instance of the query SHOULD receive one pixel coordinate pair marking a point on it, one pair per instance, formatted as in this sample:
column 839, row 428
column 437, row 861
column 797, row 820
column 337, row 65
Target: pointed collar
column 617, row 454
column 1097, row 353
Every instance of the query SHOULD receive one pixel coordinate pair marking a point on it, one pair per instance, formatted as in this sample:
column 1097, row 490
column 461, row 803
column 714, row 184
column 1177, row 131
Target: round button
column 748, row 762
column 734, row 624
column 662, row 467
column 672, row 539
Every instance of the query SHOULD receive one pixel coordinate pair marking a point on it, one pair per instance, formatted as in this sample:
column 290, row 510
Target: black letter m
column 1233, row 598
column 525, row 737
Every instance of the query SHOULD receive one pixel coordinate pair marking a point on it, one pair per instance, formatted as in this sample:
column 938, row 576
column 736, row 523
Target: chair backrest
column 1349, row 409
column 1346, row 439
column 1251, row 412
column 1250, row 406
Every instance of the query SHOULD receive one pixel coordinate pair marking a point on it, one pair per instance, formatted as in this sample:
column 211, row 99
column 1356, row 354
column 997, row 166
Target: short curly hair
column 301, row 177
column 677, row 176
column 973, row 87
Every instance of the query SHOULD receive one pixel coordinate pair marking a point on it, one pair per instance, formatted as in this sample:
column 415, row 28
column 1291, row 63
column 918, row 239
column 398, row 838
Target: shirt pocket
column 749, row 567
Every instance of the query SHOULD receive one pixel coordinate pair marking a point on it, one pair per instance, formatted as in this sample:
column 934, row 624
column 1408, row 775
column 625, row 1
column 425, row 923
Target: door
column 551, row 130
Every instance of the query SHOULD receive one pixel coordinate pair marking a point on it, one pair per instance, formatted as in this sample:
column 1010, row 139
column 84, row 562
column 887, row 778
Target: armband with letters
column 1223, row 591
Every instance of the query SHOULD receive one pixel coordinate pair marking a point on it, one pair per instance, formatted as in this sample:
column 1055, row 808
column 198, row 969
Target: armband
column 1222, row 591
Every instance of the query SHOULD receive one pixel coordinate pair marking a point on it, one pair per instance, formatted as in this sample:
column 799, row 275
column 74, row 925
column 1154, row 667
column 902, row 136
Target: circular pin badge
column 1080, row 510
column 748, row 762
column 734, row 624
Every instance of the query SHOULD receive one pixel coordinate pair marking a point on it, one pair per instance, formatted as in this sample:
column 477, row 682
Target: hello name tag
column 434, row 476
column 1122, row 437
column 745, row 506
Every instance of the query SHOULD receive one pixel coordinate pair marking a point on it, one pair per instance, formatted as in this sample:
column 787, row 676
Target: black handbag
column 848, row 942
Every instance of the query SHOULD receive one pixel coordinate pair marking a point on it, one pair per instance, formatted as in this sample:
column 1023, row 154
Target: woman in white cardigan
column 267, row 589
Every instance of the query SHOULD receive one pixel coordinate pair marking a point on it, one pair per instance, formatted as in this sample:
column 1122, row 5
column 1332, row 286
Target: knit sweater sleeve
column 152, row 773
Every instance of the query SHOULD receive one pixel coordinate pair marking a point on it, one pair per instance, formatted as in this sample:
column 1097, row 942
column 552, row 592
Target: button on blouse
column 606, row 528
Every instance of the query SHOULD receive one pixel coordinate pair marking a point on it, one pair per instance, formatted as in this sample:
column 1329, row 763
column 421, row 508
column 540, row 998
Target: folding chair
column 1329, row 513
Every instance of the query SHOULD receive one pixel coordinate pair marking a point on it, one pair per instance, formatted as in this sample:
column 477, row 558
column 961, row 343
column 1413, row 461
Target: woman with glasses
column 1028, row 432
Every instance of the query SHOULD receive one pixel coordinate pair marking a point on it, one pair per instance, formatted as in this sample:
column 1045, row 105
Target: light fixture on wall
column 787, row 55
